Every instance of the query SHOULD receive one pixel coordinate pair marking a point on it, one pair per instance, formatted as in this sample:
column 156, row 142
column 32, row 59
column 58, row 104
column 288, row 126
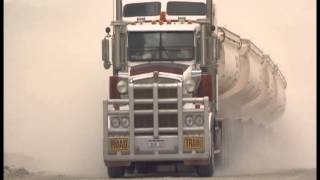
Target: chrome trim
column 207, row 133
column 149, row 130
column 180, row 124
column 160, row 101
column 196, row 73
column 161, row 111
column 161, row 130
column 117, row 130
column 155, row 111
column 118, row 112
column 160, row 86
column 191, row 100
column 151, row 111
column 123, row 74
column 131, row 118
column 105, row 118
column 145, row 101
column 193, row 129
column 176, row 77
column 217, row 93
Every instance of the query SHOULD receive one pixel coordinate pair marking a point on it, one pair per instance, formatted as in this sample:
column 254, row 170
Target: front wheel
column 116, row 172
column 143, row 167
column 205, row 171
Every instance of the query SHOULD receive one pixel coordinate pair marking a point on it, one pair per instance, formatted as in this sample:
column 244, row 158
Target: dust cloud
column 265, row 150
column 54, row 81
column 287, row 31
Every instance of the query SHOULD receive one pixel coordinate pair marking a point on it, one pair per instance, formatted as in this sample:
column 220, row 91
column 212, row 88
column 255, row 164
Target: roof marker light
column 181, row 19
column 163, row 16
column 141, row 19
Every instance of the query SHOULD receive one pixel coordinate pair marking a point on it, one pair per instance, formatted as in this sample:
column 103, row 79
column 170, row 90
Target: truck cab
column 163, row 90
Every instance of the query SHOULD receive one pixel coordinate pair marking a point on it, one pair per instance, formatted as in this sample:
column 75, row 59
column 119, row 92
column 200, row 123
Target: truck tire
column 206, row 171
column 116, row 172
column 143, row 168
column 217, row 144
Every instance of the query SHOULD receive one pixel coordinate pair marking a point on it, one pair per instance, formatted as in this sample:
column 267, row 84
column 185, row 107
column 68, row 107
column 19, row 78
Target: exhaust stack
column 118, row 10
column 119, row 25
column 209, row 12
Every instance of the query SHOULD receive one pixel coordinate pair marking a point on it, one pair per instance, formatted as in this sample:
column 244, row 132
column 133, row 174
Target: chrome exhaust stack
column 118, row 56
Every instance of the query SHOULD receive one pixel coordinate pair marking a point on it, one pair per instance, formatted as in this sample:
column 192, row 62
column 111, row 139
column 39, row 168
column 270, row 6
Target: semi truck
column 182, row 89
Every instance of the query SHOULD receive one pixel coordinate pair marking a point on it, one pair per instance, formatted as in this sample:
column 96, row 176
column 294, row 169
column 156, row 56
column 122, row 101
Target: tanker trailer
column 181, row 87
column 251, row 92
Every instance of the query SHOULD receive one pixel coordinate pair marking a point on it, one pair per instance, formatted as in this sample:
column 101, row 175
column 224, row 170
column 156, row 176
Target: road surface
column 297, row 174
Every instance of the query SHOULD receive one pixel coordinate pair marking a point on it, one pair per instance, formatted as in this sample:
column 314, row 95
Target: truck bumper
column 173, row 149
column 168, row 153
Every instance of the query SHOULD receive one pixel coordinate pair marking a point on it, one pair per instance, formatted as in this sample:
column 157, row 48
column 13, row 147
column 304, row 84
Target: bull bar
column 132, row 156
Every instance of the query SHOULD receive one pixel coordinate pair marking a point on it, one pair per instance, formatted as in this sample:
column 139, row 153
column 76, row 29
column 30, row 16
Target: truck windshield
column 142, row 9
column 157, row 46
column 186, row 8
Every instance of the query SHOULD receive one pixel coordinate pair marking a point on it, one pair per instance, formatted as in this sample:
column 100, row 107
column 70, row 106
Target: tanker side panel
column 277, row 107
column 228, row 66
column 249, row 82
column 254, row 87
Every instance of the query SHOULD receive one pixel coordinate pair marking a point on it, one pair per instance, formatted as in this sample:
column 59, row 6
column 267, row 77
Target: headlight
column 115, row 122
column 122, row 87
column 199, row 121
column 189, row 121
column 124, row 122
column 189, row 85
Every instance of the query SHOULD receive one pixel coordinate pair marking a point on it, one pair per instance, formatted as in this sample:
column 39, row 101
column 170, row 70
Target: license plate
column 155, row 143
column 119, row 144
column 193, row 143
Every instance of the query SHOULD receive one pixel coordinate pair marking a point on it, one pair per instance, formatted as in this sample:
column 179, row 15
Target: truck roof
column 161, row 6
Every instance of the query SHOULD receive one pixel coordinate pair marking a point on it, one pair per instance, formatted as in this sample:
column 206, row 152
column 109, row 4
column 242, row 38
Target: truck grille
column 148, row 94
column 160, row 106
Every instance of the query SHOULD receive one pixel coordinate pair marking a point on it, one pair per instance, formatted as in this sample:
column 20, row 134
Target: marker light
column 122, row 86
column 189, row 121
column 115, row 123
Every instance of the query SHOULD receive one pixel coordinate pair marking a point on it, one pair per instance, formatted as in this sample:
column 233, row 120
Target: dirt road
column 299, row 174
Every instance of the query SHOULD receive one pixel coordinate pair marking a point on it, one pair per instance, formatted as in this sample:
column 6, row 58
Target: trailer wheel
column 116, row 172
column 206, row 171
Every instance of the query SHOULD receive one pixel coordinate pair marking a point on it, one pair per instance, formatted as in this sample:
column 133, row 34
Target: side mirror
column 105, row 53
column 213, row 28
column 108, row 30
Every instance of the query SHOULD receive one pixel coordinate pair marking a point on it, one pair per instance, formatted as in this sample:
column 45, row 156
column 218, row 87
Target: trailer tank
column 251, row 86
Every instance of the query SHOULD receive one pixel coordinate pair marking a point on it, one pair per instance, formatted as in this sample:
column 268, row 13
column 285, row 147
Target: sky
column 55, row 82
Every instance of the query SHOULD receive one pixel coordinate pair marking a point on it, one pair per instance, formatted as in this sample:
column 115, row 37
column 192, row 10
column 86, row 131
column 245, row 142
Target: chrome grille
column 147, row 120
column 161, row 110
